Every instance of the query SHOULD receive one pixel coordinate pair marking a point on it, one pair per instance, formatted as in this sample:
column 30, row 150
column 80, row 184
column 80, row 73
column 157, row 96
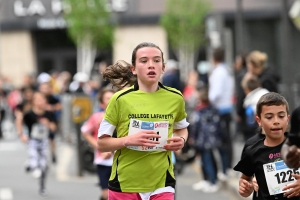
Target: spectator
column 240, row 69
column 221, row 89
column 257, row 65
column 171, row 76
column 253, row 91
column 207, row 136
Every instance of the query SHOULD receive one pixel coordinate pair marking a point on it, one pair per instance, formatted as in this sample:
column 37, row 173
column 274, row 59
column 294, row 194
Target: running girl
column 142, row 167
column 39, row 122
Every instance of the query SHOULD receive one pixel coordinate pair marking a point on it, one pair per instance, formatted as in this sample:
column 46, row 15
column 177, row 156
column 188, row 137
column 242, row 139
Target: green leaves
column 89, row 18
column 184, row 22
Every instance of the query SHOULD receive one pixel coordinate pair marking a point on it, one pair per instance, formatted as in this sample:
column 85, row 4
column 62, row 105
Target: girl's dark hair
column 142, row 45
column 120, row 74
column 271, row 99
column 102, row 93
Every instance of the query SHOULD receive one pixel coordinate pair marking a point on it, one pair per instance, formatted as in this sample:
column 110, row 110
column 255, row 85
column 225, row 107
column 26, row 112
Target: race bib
column 278, row 175
column 161, row 128
column 39, row 131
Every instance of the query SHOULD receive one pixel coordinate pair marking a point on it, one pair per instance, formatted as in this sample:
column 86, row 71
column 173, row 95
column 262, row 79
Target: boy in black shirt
column 263, row 158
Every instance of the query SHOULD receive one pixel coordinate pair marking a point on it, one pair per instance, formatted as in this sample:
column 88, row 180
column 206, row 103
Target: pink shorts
column 112, row 195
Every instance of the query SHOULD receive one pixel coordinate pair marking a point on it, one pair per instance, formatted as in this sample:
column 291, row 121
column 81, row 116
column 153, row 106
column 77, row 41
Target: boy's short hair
column 251, row 83
column 271, row 99
column 218, row 55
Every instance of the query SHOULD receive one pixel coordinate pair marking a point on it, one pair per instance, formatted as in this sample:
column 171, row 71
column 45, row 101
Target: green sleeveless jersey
column 141, row 171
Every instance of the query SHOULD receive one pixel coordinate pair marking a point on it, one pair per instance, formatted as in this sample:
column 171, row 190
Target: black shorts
column 51, row 135
column 103, row 174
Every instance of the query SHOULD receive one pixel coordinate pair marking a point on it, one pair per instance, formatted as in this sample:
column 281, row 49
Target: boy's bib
column 161, row 128
column 278, row 175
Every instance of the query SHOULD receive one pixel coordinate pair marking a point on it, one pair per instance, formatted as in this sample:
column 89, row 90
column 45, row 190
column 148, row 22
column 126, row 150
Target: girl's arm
column 143, row 138
column 245, row 186
column 19, row 125
column 90, row 139
column 177, row 141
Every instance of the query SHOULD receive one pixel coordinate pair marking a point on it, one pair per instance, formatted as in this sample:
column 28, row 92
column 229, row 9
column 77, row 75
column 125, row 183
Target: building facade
column 33, row 34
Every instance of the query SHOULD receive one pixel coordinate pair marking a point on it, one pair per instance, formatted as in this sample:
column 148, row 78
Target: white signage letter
column 36, row 7
column 57, row 6
column 19, row 9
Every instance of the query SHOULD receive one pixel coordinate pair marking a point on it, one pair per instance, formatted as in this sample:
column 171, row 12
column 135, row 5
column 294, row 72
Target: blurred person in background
column 29, row 80
column 171, row 76
column 257, row 65
column 39, row 122
column 253, row 91
column 103, row 160
column 80, row 83
column 240, row 69
column 54, row 74
column 102, row 67
column 63, row 81
column 221, row 90
column 53, row 105
column 3, row 103
column 26, row 102
column 207, row 135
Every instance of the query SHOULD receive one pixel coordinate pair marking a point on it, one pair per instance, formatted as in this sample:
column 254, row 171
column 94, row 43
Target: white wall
column 128, row 37
column 17, row 56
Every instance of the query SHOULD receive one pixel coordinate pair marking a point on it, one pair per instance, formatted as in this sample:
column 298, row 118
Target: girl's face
column 274, row 121
column 149, row 65
column 39, row 100
column 105, row 99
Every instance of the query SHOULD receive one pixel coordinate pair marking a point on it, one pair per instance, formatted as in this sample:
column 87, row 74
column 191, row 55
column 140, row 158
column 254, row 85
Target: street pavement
column 63, row 182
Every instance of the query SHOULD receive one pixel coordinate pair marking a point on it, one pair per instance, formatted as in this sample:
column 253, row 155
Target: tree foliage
column 184, row 22
column 89, row 20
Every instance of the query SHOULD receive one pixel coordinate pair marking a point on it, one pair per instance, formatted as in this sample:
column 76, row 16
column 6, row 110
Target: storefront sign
column 38, row 7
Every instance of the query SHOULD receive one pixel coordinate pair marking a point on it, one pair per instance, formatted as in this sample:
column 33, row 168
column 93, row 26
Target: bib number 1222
column 286, row 176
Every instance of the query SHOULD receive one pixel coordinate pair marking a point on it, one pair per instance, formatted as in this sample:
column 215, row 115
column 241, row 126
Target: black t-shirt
column 36, row 130
column 255, row 156
column 255, row 138
column 52, row 100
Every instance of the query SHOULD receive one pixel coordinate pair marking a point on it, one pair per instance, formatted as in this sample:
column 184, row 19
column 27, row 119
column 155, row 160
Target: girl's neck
column 148, row 88
column 272, row 142
column 37, row 110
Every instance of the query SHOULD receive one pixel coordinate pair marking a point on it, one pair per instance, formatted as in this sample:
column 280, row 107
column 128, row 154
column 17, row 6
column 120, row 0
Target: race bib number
column 39, row 131
column 278, row 175
column 161, row 129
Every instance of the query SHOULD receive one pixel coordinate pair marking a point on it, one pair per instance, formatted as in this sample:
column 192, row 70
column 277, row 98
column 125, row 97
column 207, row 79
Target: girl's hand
column 142, row 138
column 293, row 190
column 106, row 155
column 24, row 138
column 174, row 144
column 245, row 188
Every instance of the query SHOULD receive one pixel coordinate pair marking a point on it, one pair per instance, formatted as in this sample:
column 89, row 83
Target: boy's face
column 273, row 120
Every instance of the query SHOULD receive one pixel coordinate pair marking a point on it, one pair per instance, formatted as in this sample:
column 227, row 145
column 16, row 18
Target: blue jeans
column 208, row 165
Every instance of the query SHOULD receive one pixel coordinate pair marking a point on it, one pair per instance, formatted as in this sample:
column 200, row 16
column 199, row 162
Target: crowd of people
column 147, row 114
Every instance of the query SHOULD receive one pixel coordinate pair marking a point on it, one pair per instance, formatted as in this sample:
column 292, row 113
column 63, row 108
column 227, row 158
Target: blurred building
column 33, row 33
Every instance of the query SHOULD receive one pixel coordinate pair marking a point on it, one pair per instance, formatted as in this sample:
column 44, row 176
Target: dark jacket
column 269, row 79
